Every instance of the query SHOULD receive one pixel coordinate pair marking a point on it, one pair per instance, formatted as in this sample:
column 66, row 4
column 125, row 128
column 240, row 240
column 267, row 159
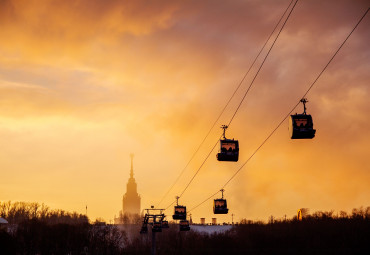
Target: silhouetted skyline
column 131, row 199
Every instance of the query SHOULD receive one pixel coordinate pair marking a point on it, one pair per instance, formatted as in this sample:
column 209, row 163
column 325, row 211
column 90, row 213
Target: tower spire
column 132, row 166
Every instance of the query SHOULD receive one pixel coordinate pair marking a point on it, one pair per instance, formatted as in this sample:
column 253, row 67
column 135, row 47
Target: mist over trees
column 18, row 212
column 36, row 229
column 129, row 218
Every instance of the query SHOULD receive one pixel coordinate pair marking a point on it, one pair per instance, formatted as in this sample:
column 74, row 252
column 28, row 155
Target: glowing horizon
column 83, row 85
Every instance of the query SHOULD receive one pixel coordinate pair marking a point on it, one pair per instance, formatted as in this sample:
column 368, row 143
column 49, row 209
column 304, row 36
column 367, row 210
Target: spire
column 132, row 166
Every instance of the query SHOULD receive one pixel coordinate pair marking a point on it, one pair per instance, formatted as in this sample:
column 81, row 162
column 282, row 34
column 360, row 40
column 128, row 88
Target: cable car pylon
column 154, row 217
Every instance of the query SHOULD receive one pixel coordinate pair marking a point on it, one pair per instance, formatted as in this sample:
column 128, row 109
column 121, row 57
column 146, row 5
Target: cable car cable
column 259, row 69
column 204, row 201
column 204, row 161
column 169, row 205
column 308, row 90
column 228, row 102
column 244, row 95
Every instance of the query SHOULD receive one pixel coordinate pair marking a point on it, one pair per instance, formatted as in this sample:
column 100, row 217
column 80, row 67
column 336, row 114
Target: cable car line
column 169, row 205
column 281, row 122
column 204, row 201
column 227, row 104
column 204, row 161
column 198, row 169
column 259, row 69
column 336, row 53
column 277, row 36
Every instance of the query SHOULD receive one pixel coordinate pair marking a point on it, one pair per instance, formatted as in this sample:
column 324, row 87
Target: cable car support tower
column 155, row 218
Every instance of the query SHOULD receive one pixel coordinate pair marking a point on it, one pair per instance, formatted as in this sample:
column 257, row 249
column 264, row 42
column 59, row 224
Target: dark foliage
column 37, row 237
column 59, row 232
column 320, row 233
column 35, row 229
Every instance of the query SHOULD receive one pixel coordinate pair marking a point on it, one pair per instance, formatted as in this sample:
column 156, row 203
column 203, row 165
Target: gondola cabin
column 157, row 227
column 184, row 225
column 165, row 224
column 301, row 126
column 179, row 213
column 229, row 150
column 220, row 206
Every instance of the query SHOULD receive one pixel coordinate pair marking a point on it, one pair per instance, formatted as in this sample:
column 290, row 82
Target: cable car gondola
column 184, row 225
column 220, row 205
column 229, row 148
column 165, row 224
column 179, row 211
column 157, row 226
column 301, row 125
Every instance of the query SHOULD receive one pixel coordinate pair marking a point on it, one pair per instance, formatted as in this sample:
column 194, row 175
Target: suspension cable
column 244, row 94
column 281, row 122
column 227, row 104
column 259, row 69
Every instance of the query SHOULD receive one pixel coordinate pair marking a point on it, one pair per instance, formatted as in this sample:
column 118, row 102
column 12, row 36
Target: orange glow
column 85, row 83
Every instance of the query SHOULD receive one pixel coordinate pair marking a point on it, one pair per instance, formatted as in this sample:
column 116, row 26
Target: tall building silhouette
column 131, row 199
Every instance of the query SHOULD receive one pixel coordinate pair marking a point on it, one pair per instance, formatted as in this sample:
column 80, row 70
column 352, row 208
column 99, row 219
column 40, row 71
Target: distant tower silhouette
column 131, row 200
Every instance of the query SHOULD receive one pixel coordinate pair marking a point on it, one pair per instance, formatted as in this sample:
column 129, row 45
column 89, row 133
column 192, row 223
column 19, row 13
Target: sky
column 85, row 83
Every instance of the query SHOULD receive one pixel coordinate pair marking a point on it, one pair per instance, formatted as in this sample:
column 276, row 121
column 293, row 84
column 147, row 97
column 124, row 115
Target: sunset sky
column 85, row 83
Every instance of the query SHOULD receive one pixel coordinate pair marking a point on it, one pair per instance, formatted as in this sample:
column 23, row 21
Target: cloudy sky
column 85, row 83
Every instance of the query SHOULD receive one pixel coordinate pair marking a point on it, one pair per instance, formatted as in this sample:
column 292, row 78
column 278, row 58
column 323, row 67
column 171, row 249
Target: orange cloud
column 83, row 84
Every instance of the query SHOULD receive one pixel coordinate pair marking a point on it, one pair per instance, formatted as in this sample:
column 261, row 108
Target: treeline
column 317, row 233
column 35, row 230
column 19, row 212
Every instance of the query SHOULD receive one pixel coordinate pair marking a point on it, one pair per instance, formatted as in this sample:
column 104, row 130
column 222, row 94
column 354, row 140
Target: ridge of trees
column 18, row 212
column 36, row 229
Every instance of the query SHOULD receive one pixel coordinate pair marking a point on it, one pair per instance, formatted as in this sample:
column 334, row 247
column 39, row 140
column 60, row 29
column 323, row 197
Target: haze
column 85, row 83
